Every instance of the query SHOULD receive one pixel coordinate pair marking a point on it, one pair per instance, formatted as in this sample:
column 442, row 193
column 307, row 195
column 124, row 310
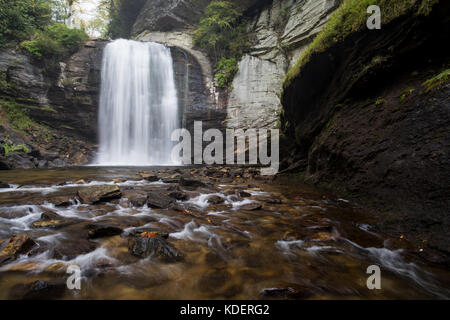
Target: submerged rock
column 158, row 200
column 155, row 247
column 39, row 290
column 280, row 293
column 96, row 194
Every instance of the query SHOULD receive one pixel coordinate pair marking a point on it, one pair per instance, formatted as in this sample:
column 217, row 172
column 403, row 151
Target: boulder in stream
column 97, row 194
column 50, row 219
column 155, row 247
column 15, row 246
column 101, row 231
column 251, row 206
column 188, row 181
column 159, row 200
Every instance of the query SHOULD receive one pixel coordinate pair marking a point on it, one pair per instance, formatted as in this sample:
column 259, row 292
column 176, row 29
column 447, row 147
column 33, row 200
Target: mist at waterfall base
column 138, row 105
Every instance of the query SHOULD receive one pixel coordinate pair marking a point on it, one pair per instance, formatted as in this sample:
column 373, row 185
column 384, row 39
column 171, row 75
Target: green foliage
column 55, row 40
column 225, row 71
column 17, row 116
column 436, row 81
column 15, row 148
column 222, row 34
column 350, row 17
column 20, row 18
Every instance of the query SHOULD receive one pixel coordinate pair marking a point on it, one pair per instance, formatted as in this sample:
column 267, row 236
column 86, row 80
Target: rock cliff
column 50, row 107
column 369, row 118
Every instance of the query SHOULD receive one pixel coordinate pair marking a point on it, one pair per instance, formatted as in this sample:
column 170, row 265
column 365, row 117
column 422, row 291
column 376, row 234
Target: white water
column 138, row 104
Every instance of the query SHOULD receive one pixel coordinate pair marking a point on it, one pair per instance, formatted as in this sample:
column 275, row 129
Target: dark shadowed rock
column 96, row 194
column 38, row 290
column 244, row 194
column 280, row 293
column 158, row 200
column 155, row 247
column 101, row 230
column 178, row 195
column 216, row 199
column 4, row 185
column 188, row 181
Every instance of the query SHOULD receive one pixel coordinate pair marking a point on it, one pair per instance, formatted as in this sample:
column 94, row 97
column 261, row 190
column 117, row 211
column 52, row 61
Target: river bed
column 230, row 234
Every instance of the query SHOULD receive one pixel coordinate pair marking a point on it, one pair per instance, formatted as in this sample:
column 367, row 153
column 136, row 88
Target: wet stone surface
column 195, row 233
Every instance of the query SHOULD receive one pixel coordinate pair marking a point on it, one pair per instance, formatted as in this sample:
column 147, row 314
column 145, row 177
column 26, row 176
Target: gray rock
column 159, row 200
column 97, row 194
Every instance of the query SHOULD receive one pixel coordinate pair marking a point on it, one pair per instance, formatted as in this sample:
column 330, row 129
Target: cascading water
column 138, row 104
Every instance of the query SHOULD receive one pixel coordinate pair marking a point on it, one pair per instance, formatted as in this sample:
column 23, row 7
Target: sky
column 88, row 12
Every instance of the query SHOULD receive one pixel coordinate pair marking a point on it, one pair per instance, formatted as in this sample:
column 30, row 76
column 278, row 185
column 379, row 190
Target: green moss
column 436, row 81
column 67, row 127
column 379, row 102
column 350, row 17
column 15, row 148
column 49, row 109
column 406, row 93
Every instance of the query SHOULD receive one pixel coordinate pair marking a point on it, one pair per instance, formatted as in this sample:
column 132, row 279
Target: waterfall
column 138, row 104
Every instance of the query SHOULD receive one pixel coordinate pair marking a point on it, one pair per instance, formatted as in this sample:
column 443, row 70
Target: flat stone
column 251, row 206
column 97, row 194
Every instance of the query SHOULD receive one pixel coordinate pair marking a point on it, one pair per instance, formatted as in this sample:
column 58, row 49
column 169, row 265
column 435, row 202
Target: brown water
column 301, row 238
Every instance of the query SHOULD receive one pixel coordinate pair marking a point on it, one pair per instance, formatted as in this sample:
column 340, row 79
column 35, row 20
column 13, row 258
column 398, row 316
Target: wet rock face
column 96, row 194
column 101, row 231
column 281, row 30
column 63, row 96
column 75, row 93
column 39, row 290
column 16, row 245
column 155, row 247
column 167, row 15
column 374, row 132
column 158, row 200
